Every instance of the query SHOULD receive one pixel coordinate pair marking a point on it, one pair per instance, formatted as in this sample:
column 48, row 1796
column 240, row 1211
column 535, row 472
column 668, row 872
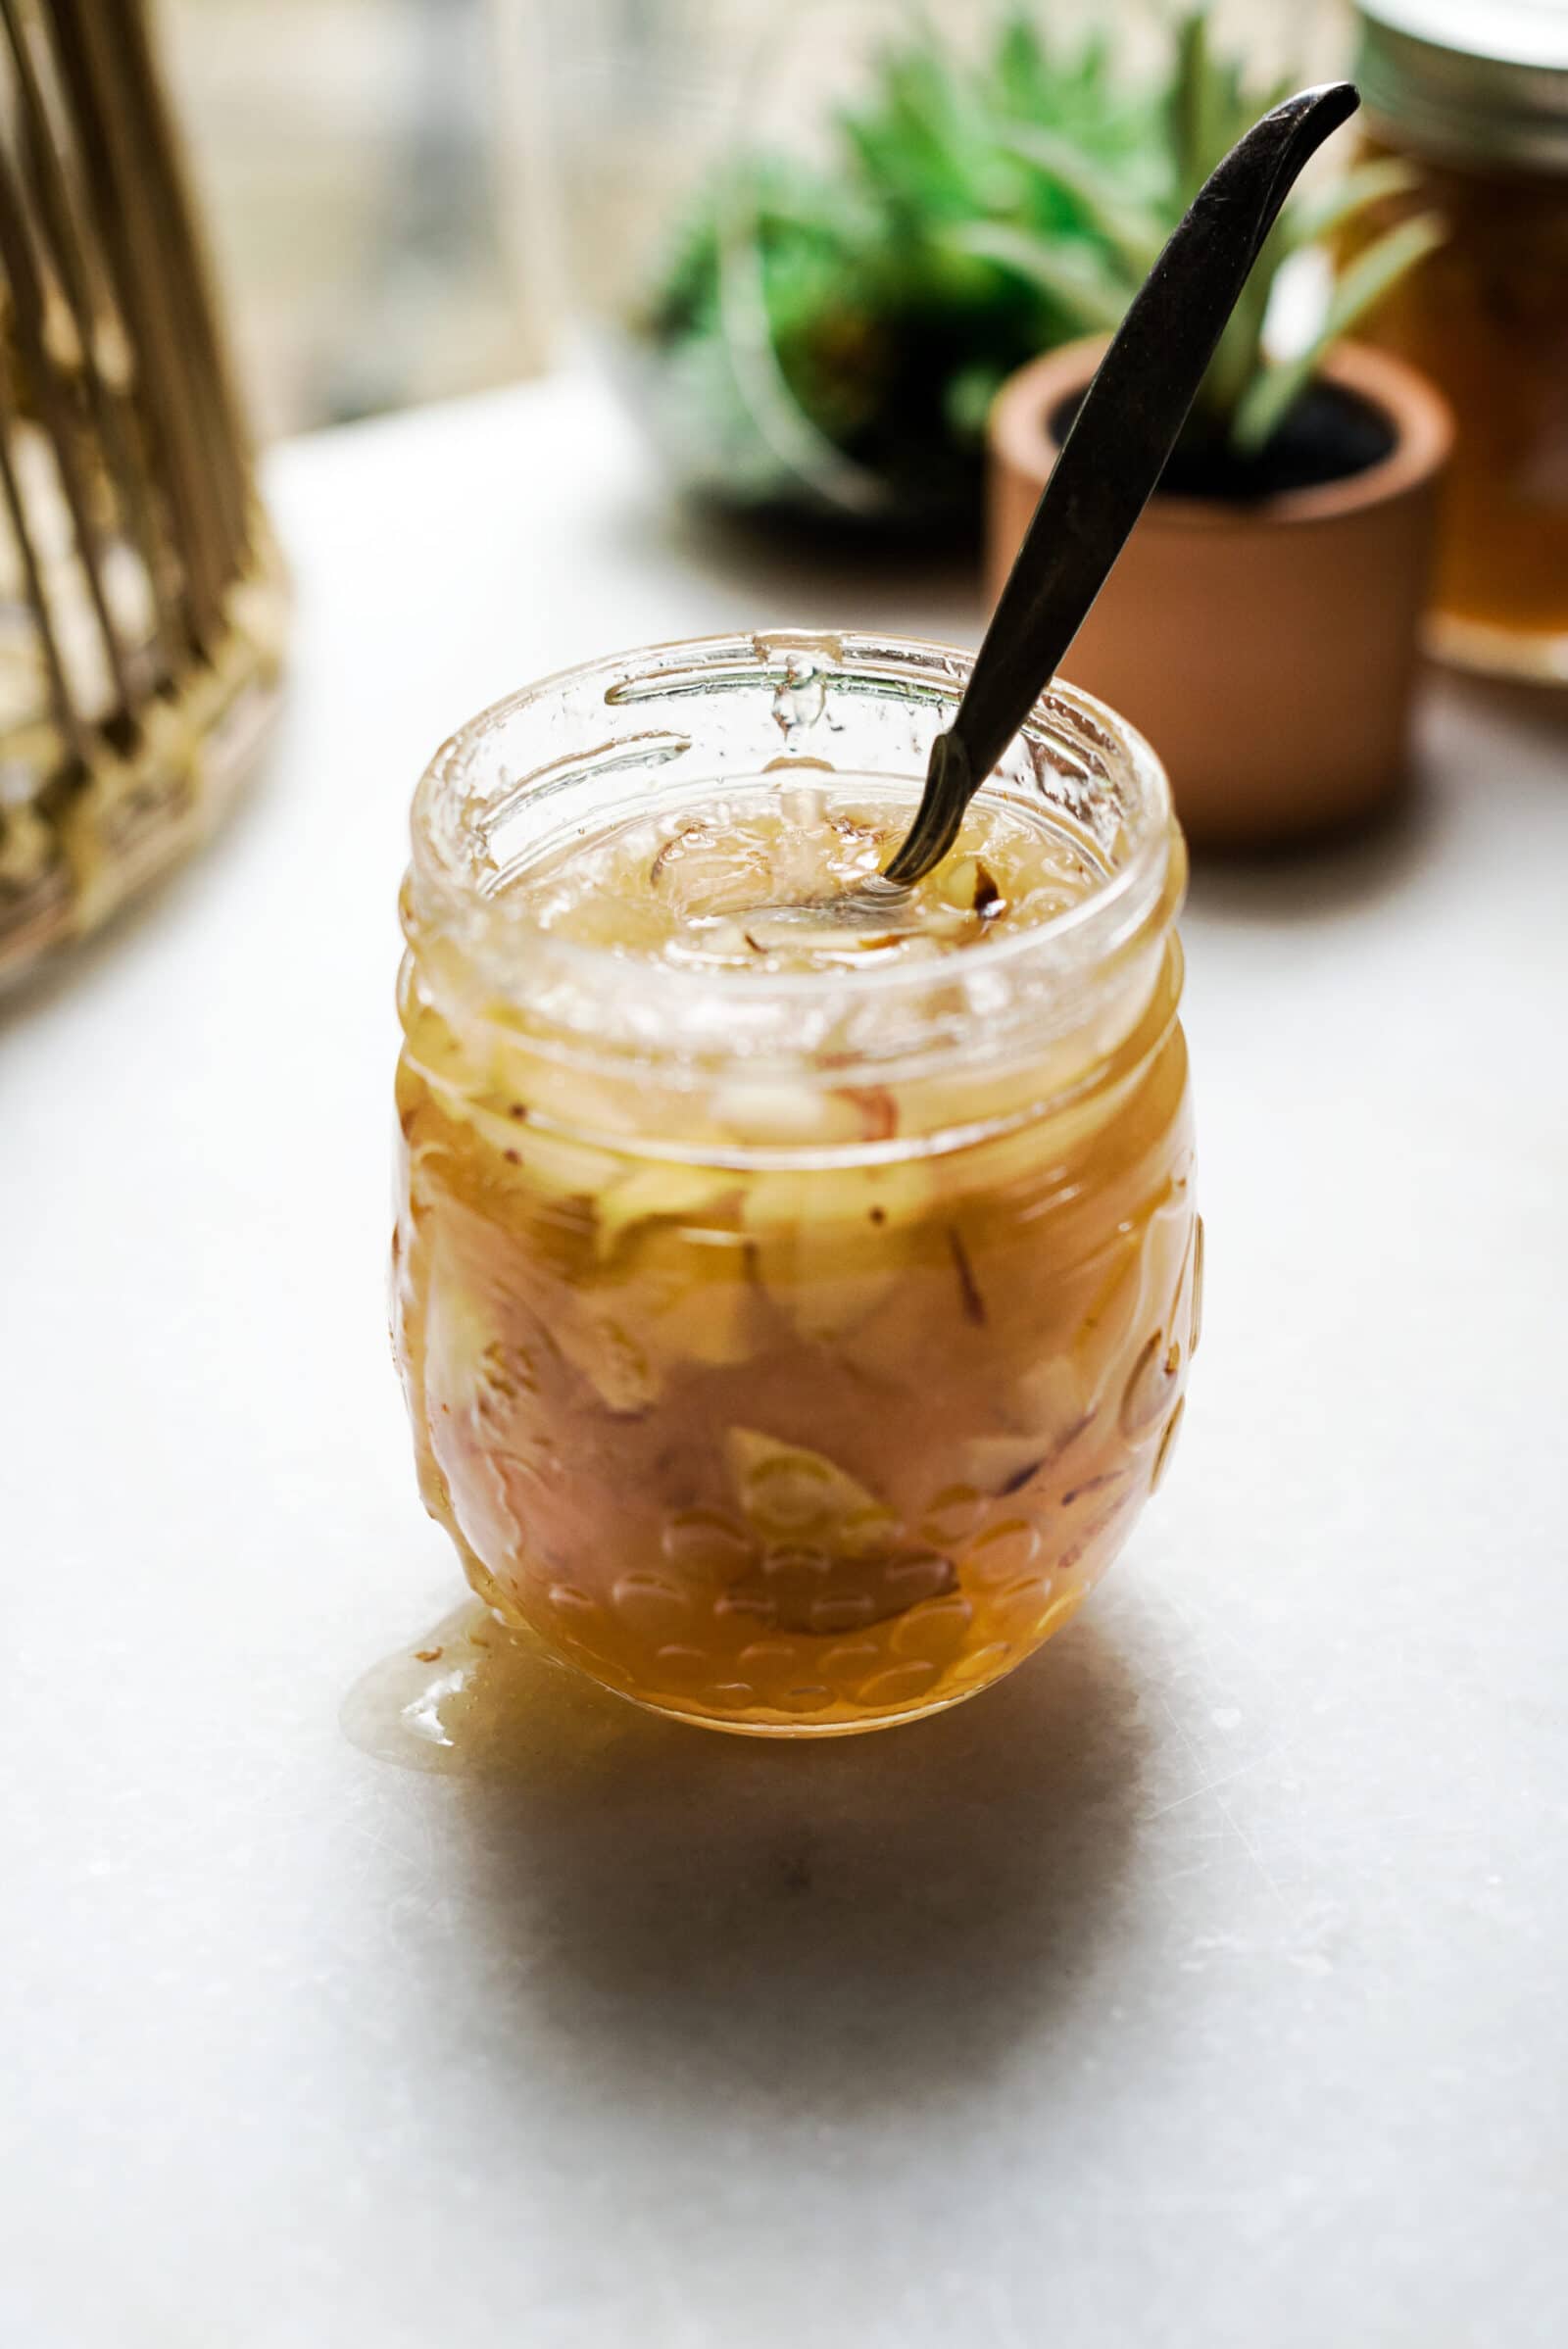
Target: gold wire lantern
column 142, row 604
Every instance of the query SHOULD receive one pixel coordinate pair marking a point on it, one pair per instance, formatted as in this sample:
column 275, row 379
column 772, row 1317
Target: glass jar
column 792, row 1351
column 1478, row 99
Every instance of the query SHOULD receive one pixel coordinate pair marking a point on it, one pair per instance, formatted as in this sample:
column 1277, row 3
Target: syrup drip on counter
column 476, row 1699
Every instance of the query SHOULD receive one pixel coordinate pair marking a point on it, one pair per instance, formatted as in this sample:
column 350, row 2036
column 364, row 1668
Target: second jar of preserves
column 794, row 1314
column 1476, row 98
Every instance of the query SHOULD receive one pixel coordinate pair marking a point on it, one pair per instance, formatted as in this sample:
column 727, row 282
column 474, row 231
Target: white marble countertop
column 1203, row 1985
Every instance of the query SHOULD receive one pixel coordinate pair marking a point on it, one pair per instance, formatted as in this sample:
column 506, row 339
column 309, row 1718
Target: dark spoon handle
column 1114, row 455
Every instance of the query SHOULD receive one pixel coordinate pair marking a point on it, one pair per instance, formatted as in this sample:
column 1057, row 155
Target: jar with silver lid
column 1476, row 99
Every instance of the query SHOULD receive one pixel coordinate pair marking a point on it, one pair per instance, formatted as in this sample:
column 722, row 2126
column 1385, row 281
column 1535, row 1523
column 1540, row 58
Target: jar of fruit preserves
column 794, row 1314
column 1476, row 99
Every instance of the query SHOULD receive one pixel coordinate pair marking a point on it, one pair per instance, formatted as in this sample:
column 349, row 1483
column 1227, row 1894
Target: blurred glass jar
column 658, row 112
column 790, row 1350
column 762, row 210
column 1477, row 97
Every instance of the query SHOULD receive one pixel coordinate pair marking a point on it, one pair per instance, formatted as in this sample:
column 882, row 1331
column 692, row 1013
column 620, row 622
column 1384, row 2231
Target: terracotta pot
column 1268, row 650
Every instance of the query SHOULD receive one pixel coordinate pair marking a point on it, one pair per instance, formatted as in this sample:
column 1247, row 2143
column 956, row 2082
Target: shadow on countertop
column 862, row 1921
column 1340, row 874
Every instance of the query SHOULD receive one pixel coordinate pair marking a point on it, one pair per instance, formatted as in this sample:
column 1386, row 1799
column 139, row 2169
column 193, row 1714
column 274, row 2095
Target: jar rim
column 453, row 859
column 1482, row 86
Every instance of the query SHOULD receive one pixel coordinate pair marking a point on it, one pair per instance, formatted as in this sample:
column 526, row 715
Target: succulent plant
column 841, row 330
column 817, row 323
column 1208, row 105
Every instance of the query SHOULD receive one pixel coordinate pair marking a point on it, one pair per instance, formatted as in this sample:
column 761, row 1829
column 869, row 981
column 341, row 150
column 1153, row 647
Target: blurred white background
column 347, row 151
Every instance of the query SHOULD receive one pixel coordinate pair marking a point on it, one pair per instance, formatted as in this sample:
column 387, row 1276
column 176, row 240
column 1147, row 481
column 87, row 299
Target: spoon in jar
column 1110, row 465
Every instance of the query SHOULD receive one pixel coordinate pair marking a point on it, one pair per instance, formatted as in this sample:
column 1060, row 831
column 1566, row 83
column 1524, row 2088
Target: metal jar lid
column 1477, row 80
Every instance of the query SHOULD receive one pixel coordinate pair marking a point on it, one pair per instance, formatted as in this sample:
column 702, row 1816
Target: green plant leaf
column 1088, row 293
column 1317, row 213
column 1190, row 103
column 1134, row 233
column 967, row 401
column 1023, row 71
column 1272, row 393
